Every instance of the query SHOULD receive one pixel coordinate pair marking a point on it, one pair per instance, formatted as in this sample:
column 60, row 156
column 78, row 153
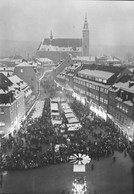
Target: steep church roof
column 66, row 42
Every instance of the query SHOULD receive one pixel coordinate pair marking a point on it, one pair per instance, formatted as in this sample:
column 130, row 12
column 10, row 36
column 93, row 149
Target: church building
column 57, row 49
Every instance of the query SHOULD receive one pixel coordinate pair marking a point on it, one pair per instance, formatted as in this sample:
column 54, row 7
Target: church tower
column 51, row 37
column 85, row 39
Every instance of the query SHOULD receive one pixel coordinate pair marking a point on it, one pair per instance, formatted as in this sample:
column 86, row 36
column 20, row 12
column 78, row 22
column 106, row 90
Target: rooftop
column 24, row 64
column 97, row 73
column 64, row 42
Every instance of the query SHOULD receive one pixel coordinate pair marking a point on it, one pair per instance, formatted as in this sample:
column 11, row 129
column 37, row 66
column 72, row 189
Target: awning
column 57, row 122
column 68, row 110
column 70, row 115
column 54, row 106
column 73, row 120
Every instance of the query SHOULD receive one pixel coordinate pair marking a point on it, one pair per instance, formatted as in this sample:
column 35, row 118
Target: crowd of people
column 35, row 144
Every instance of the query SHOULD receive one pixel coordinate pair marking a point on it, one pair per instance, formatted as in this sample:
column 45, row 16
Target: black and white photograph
column 66, row 97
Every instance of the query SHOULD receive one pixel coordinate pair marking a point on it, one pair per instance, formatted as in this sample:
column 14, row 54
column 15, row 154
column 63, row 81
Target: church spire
column 85, row 23
column 51, row 36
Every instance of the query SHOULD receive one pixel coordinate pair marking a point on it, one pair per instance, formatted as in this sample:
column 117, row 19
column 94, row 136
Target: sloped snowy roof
column 16, row 80
column 125, row 86
column 97, row 73
column 24, row 64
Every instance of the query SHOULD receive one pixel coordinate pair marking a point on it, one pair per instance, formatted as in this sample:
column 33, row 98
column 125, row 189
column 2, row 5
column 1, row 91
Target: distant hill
column 25, row 48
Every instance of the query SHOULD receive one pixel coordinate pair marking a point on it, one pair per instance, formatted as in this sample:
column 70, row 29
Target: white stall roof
column 55, row 99
column 54, row 106
column 69, row 115
column 55, row 114
column 74, row 127
column 68, row 110
column 73, row 120
column 57, row 122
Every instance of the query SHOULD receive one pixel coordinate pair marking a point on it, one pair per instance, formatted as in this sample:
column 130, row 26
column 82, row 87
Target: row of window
column 103, row 100
column 79, row 90
column 89, row 85
column 123, row 120
column 122, row 107
column 92, row 78
column 104, row 90
column 80, row 82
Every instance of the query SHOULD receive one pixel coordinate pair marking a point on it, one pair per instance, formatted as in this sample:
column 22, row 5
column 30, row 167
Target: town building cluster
column 107, row 89
column 18, row 88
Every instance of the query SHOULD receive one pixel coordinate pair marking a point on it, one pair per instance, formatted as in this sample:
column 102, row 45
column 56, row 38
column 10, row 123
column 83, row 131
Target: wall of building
column 28, row 75
column 56, row 56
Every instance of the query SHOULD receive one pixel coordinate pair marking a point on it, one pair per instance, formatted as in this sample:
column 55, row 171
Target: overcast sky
column 110, row 22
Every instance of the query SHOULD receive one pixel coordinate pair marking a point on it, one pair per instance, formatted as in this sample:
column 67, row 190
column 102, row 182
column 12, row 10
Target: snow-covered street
column 38, row 109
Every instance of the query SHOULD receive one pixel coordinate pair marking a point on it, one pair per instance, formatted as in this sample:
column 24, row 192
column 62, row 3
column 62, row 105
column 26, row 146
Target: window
column 118, row 105
column 105, row 101
column 93, row 86
column 21, row 70
column 106, row 91
column 102, row 89
column 2, row 123
column 97, row 98
column 2, row 110
column 104, row 81
column 101, row 99
column 97, row 88
column 117, row 116
column 100, row 80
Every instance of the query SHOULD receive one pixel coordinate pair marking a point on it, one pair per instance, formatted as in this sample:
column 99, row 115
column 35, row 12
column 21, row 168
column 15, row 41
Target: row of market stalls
column 55, row 112
column 58, row 106
column 73, row 122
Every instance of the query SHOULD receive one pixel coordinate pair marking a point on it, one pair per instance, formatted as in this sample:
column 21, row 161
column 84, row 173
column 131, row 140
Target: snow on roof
column 128, row 102
column 55, row 99
column 44, row 60
column 92, row 82
column 16, row 80
column 74, row 66
column 125, row 86
column 70, row 115
column 97, row 73
column 54, row 106
column 68, row 110
column 57, row 122
column 24, row 64
column 73, row 120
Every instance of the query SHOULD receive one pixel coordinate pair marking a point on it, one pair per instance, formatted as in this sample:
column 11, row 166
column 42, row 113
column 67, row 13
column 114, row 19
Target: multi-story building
column 28, row 74
column 12, row 105
column 122, row 110
column 70, row 73
column 93, row 83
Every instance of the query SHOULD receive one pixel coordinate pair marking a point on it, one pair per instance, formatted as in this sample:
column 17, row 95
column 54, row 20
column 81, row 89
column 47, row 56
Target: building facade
column 28, row 74
column 12, row 105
